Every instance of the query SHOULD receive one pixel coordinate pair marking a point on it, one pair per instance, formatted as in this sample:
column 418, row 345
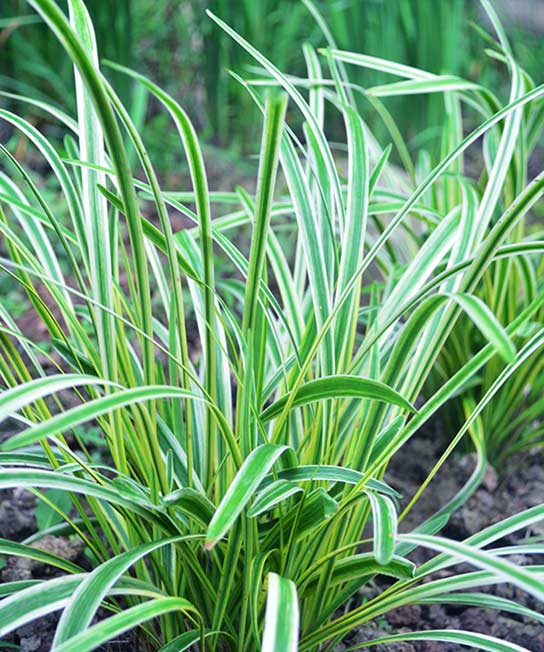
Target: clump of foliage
column 244, row 503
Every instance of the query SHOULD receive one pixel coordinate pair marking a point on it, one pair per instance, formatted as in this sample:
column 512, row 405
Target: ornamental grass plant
column 242, row 504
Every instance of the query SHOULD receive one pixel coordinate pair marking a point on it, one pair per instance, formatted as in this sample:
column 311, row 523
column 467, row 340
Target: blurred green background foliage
column 175, row 43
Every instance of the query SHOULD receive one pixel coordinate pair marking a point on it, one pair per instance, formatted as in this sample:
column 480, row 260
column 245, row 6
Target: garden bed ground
column 521, row 486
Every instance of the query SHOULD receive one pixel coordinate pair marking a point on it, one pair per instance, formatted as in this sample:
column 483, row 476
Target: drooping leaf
column 338, row 387
column 271, row 496
column 384, row 516
column 281, row 620
column 250, row 475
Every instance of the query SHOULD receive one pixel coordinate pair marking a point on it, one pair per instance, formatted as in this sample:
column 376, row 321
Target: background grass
column 184, row 53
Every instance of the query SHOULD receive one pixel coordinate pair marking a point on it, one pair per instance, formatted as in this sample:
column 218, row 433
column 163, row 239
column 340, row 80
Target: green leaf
column 353, row 239
column 46, row 516
column 95, row 208
column 488, row 324
column 199, row 180
column 185, row 641
column 324, row 472
column 300, row 519
column 482, row 559
column 383, row 65
column 281, row 620
column 484, row 601
column 191, row 503
column 362, row 566
column 272, row 131
column 22, row 395
column 37, row 600
column 103, row 405
column 249, row 477
column 128, row 619
column 438, row 84
column 384, row 516
column 338, row 387
column 487, row 536
column 10, row 478
column 96, row 93
column 88, row 596
column 274, row 494
column 9, row 588
column 31, row 552
column 460, row 637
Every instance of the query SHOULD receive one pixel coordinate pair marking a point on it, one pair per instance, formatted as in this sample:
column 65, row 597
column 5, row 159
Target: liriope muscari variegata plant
column 229, row 512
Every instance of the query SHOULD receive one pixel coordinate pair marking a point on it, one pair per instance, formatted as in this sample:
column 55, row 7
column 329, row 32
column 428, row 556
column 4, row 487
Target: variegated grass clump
column 243, row 504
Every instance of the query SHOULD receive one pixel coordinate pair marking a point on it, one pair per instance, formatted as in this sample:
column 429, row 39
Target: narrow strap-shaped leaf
column 439, row 84
column 341, row 386
column 97, row 92
column 27, row 600
column 315, row 508
column 456, row 636
column 9, row 588
column 25, row 459
column 254, row 326
column 516, row 575
column 35, row 601
column 86, row 599
column 104, row 631
column 309, row 116
column 281, row 621
column 197, row 169
column 531, row 193
column 381, row 164
column 484, row 601
column 364, row 565
column 31, row 552
column 488, row 324
column 320, row 472
column 271, row 496
column 105, row 404
column 353, row 238
column 191, row 502
column 20, row 396
column 38, row 235
column 316, row 97
column 383, row 65
column 153, row 234
column 423, row 264
column 10, row 478
column 451, row 584
column 256, row 578
column 54, row 111
column 50, row 154
column 249, row 477
column 270, row 147
column 185, row 641
column 488, row 536
column 95, row 208
column 384, row 516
